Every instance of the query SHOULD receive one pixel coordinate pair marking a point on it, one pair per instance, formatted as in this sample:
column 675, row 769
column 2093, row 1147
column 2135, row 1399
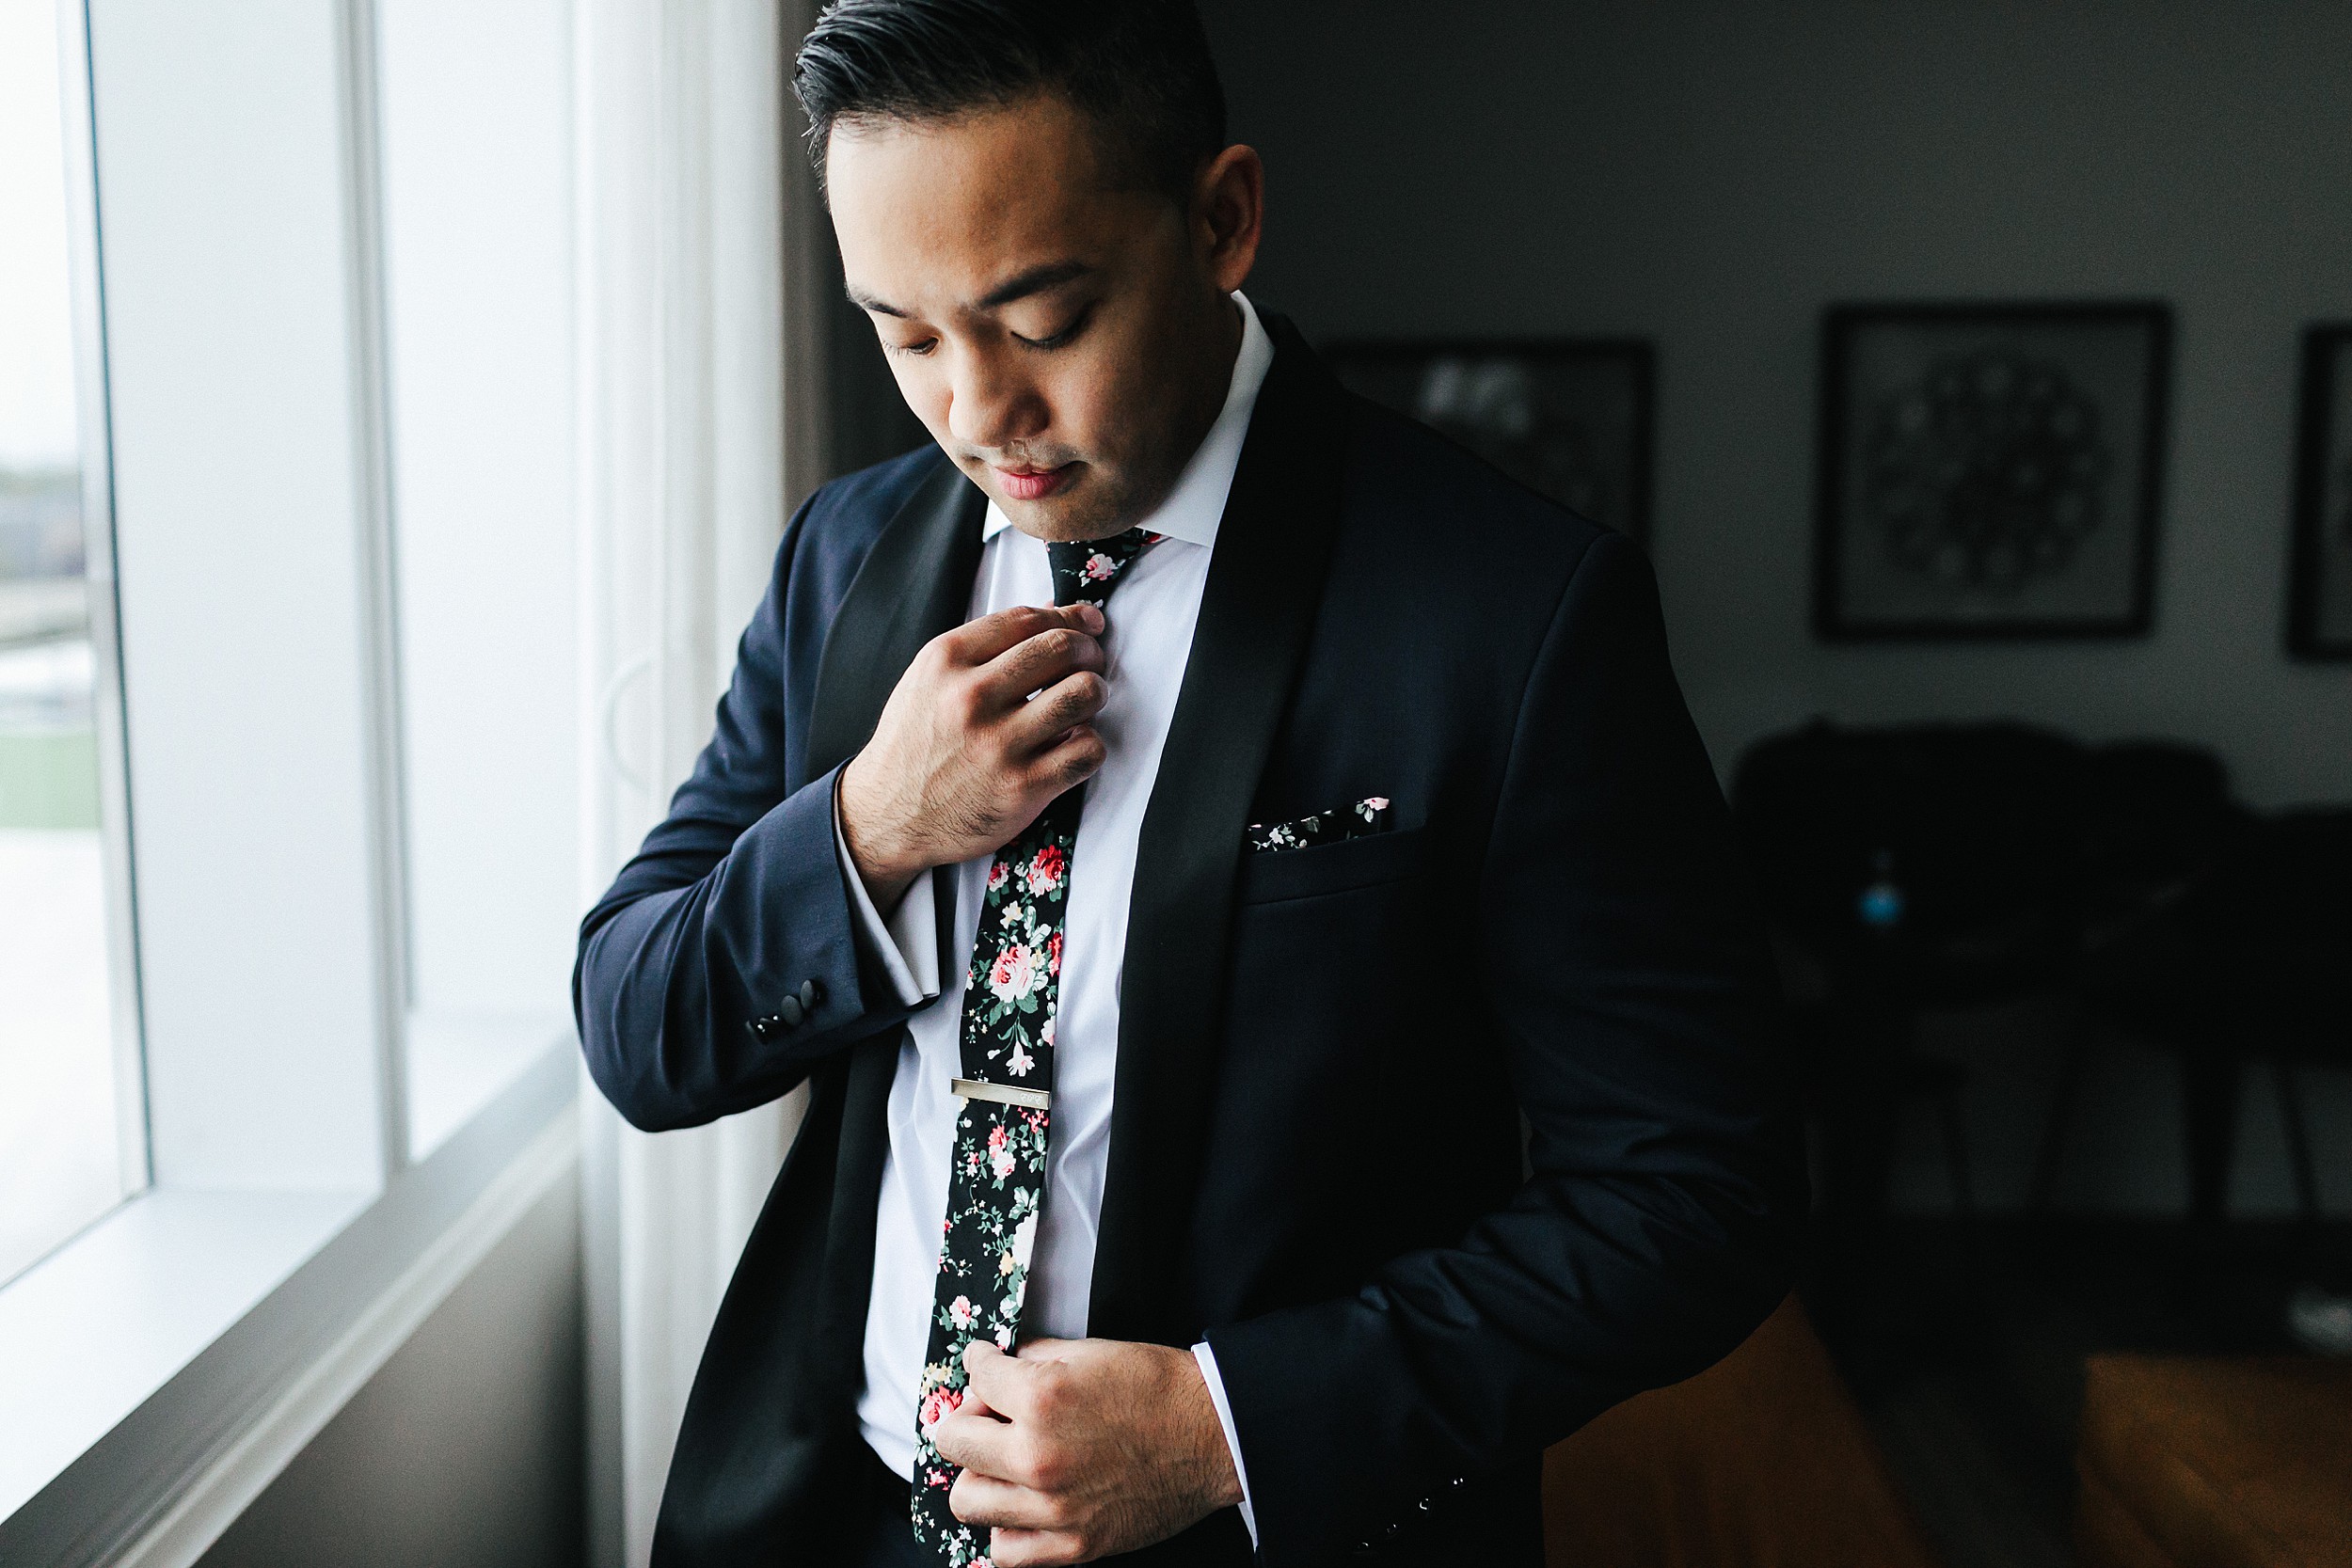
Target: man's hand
column 1076, row 1449
column 963, row 759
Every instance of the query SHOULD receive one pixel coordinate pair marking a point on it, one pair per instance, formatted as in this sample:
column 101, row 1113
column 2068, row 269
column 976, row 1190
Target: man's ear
column 1229, row 214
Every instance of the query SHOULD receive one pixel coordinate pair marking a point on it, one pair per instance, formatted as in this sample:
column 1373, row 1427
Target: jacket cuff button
column 811, row 993
column 791, row 1011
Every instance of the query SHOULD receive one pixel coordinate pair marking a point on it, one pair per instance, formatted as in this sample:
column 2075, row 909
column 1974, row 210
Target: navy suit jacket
column 1318, row 1160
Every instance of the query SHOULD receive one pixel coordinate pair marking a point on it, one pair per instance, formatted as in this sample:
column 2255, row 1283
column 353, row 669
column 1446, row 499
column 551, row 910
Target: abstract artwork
column 1989, row 471
column 2319, row 594
column 1568, row 419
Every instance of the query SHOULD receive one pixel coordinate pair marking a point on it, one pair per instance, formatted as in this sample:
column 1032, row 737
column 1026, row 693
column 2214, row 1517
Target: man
column 1183, row 827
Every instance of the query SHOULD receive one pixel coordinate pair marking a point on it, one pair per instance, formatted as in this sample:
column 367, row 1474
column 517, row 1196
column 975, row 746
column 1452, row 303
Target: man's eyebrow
column 1053, row 275
column 867, row 302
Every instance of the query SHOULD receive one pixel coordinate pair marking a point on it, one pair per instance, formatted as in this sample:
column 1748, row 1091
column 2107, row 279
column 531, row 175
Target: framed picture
column 1989, row 471
column 1568, row 418
column 2319, row 583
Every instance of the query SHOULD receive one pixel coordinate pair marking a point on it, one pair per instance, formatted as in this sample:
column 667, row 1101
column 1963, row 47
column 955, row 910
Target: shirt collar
column 1195, row 506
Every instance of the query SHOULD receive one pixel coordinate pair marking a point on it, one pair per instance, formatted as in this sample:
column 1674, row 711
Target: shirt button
column 789, row 1010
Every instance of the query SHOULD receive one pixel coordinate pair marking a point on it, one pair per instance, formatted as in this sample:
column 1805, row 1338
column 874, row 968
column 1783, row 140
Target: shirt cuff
column 911, row 928
column 1207, row 1359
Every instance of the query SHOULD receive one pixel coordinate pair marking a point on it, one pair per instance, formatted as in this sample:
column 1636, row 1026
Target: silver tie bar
column 1004, row 1094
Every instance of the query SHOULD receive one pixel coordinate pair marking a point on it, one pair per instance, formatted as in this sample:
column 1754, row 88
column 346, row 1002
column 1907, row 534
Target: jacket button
column 762, row 1027
column 791, row 1011
column 811, row 993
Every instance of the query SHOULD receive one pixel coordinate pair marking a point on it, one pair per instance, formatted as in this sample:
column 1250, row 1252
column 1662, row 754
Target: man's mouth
column 1029, row 485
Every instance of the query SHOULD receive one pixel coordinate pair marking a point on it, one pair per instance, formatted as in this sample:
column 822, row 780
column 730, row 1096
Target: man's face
column 1066, row 342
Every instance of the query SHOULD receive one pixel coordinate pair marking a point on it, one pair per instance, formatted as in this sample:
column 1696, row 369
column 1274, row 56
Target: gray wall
column 1710, row 175
column 464, row 1450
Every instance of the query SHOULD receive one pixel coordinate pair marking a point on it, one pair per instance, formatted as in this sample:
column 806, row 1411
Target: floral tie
column 996, row 1182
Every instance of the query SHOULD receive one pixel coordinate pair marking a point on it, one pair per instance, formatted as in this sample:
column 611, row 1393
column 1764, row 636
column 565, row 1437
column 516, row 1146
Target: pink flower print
column 1019, row 1062
column 1053, row 967
column 939, row 1404
column 1013, row 976
column 960, row 1311
column 1101, row 567
column 999, row 1152
column 1004, row 1337
column 995, row 876
column 1044, row 873
column 1377, row 802
column 1046, row 1036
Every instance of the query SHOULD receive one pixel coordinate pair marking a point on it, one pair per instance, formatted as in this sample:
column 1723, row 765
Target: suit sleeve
column 1625, row 970
column 689, row 988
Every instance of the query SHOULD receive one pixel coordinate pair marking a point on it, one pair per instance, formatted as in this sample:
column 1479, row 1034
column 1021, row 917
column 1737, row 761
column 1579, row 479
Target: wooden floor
column 1965, row 1349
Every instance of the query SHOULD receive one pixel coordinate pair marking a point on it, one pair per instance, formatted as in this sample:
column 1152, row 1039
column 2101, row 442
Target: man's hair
column 1140, row 69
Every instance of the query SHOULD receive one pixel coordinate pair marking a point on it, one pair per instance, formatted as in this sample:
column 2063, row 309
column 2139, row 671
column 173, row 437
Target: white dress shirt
column 1145, row 647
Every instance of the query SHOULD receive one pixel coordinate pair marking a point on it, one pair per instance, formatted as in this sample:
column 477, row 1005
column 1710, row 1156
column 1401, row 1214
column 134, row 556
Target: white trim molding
column 228, row 1486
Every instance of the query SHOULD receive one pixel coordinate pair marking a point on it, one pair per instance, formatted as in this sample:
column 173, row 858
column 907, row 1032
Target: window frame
column 281, row 1241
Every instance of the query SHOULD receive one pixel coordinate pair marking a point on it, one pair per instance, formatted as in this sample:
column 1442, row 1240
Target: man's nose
column 990, row 405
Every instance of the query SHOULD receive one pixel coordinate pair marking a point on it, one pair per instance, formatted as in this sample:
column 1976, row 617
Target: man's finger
column 981, row 1443
column 1037, row 663
column 1059, row 709
column 999, row 1379
column 976, row 642
column 1034, row 1548
column 980, row 1499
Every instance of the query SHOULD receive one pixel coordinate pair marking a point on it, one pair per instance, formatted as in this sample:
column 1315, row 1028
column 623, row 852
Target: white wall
column 1711, row 175
column 465, row 1451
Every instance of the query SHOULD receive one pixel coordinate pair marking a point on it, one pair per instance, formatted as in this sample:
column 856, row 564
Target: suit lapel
column 1257, row 609
column 916, row 583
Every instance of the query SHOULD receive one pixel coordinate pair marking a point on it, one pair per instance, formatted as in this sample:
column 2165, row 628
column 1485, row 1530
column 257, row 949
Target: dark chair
column 2253, row 962
column 2156, row 815
column 1915, row 869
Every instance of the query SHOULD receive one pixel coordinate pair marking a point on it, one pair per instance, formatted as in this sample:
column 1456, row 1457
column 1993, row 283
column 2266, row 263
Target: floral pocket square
column 1364, row 819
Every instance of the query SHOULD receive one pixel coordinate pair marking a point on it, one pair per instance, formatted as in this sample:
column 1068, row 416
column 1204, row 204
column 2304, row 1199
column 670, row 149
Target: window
column 72, row 1139
column 320, row 635
column 473, row 108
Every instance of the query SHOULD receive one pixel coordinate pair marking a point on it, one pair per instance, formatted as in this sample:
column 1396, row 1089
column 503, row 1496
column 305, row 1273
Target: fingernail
column 1092, row 616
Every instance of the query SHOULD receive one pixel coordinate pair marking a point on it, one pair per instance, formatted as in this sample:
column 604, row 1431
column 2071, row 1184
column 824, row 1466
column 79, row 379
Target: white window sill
column 118, row 1311
column 160, row 1369
column 460, row 1061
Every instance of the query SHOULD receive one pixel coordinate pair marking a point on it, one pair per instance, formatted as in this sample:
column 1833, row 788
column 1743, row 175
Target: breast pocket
column 1273, row 877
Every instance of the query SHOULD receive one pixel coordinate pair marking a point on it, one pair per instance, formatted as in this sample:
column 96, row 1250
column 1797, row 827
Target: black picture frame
column 2319, row 572
column 2047, row 530
column 1572, row 418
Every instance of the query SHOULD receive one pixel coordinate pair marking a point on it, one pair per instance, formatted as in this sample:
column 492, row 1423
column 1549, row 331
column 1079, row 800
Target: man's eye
column 1064, row 336
column 920, row 347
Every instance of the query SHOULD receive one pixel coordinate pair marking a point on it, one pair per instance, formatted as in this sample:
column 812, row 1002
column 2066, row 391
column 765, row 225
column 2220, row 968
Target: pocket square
column 1367, row 817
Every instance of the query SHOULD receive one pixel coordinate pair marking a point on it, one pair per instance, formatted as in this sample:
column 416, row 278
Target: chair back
column 1937, row 864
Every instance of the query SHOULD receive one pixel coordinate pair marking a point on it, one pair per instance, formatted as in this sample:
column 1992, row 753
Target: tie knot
column 1086, row 570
